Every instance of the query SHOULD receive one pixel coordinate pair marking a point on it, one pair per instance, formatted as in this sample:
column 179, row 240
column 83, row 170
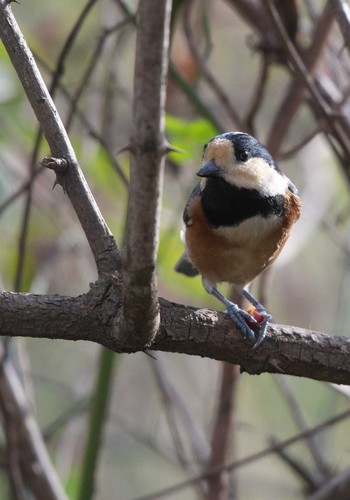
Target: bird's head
column 240, row 160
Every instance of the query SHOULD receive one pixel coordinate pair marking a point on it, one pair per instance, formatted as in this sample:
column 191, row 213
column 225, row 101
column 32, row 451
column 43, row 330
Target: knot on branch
column 59, row 166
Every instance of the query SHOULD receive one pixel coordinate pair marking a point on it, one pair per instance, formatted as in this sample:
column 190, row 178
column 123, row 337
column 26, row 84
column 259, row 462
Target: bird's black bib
column 227, row 205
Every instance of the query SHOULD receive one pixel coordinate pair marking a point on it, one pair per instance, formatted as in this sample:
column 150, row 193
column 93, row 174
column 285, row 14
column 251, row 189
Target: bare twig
column 335, row 127
column 296, row 92
column 299, row 418
column 198, row 443
column 91, row 130
column 174, row 406
column 22, row 189
column 99, row 236
column 342, row 14
column 69, row 44
column 148, row 147
column 311, row 480
column 22, row 243
column 32, row 458
column 91, row 66
column 304, row 142
column 337, row 488
column 253, row 12
column 195, row 99
column 22, row 240
column 249, row 459
column 258, row 94
column 207, row 74
column 221, row 442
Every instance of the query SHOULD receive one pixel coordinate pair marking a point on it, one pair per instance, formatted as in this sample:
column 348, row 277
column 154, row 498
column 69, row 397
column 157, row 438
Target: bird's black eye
column 243, row 156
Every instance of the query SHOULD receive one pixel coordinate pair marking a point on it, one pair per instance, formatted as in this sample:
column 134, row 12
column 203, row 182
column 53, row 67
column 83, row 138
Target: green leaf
column 189, row 136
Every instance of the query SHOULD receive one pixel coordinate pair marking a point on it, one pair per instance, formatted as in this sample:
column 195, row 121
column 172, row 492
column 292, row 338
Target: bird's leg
column 238, row 316
column 261, row 309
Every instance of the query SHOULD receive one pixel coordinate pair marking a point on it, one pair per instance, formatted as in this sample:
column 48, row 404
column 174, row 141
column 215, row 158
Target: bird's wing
column 186, row 215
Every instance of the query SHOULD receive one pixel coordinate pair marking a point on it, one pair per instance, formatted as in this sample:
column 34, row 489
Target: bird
column 236, row 222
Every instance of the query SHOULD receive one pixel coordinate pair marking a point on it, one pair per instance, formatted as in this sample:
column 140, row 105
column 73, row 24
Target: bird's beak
column 209, row 169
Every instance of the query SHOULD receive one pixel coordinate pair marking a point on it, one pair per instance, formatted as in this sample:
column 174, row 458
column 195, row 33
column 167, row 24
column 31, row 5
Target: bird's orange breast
column 238, row 254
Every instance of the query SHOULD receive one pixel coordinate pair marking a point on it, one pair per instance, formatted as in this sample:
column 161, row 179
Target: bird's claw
column 242, row 319
column 248, row 322
column 252, row 322
column 263, row 329
column 262, row 318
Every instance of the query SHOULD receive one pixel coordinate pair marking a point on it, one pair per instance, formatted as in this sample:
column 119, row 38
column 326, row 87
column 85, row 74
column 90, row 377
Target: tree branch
column 33, row 461
column 342, row 13
column 295, row 94
column 201, row 332
column 148, row 146
column 101, row 241
column 218, row 485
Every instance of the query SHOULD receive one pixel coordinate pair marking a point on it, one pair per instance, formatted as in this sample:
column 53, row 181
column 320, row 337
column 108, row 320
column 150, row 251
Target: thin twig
column 296, row 91
column 337, row 488
column 258, row 94
column 342, row 13
column 172, row 406
column 74, row 32
column 101, row 241
column 22, row 240
column 22, row 189
column 33, row 460
column 249, row 459
column 23, row 236
column 95, row 58
column 92, row 131
column 207, row 74
column 301, row 144
column 299, row 418
column 198, row 443
column 194, row 98
column 335, row 127
column 297, row 466
column 222, row 432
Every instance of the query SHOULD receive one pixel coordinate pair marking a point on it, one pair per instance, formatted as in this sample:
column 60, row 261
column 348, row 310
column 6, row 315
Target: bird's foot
column 243, row 319
column 262, row 318
column 252, row 323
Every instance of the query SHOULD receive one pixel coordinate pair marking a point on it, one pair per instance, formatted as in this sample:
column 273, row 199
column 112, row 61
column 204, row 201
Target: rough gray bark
column 140, row 313
column 201, row 332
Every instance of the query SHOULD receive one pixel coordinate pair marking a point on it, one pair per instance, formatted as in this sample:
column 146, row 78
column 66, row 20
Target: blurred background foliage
column 162, row 412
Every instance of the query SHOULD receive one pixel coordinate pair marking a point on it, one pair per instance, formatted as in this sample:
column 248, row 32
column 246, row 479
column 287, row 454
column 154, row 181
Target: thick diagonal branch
column 140, row 318
column 101, row 241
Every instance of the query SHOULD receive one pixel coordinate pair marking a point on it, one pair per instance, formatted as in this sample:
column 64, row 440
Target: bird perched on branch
column 237, row 221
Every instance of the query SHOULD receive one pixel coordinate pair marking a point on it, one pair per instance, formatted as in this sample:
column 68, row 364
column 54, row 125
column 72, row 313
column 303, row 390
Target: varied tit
column 237, row 221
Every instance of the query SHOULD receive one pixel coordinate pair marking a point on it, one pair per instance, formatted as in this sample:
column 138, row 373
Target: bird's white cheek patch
column 259, row 175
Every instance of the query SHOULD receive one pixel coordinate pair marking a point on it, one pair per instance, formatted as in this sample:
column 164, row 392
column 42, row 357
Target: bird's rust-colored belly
column 236, row 254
